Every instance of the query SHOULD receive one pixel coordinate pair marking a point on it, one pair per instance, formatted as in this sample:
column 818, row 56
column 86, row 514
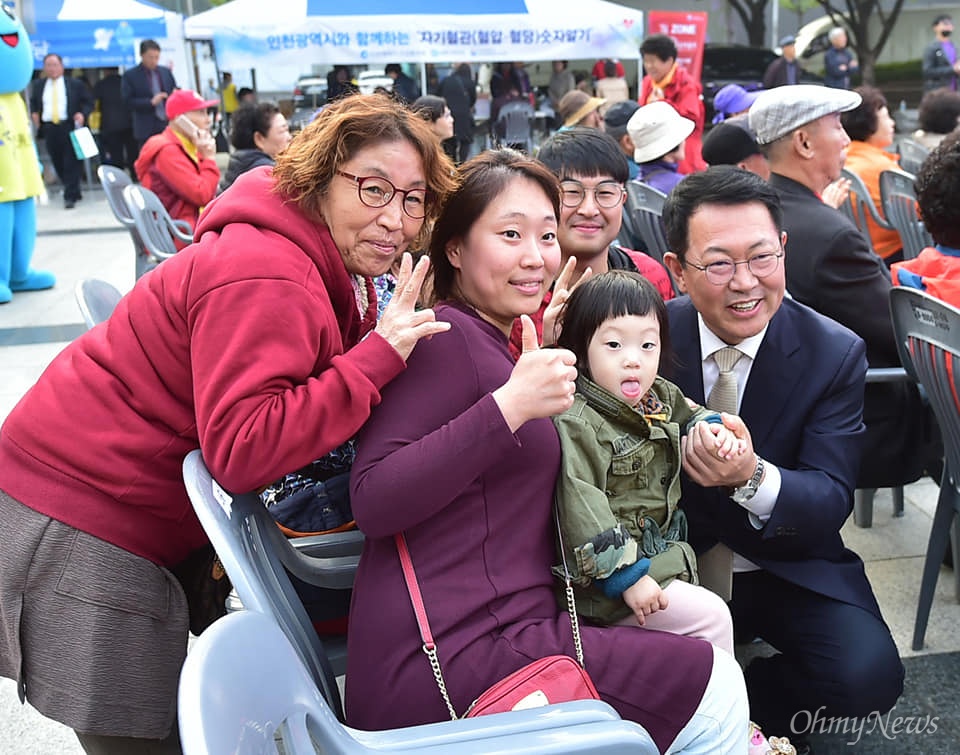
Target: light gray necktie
column 716, row 565
column 723, row 397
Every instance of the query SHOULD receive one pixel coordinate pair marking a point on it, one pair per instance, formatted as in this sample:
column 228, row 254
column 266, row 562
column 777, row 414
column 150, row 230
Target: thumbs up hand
column 542, row 383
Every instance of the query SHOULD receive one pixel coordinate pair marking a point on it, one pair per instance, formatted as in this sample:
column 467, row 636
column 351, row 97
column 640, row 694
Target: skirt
column 93, row 635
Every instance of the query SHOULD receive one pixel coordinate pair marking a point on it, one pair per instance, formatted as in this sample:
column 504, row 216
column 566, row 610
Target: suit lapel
column 687, row 372
column 773, row 377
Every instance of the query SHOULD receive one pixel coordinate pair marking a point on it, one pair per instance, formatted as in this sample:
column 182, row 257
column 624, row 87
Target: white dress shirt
column 47, row 115
column 761, row 505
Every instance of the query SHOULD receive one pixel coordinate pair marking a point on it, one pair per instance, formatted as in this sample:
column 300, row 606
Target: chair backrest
column 645, row 204
column 859, row 205
column 257, row 557
column 114, row 181
column 898, row 199
column 928, row 338
column 97, row 299
column 912, row 155
column 515, row 124
column 154, row 224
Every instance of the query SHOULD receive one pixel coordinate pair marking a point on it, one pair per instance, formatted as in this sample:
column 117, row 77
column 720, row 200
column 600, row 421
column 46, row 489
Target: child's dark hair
column 603, row 297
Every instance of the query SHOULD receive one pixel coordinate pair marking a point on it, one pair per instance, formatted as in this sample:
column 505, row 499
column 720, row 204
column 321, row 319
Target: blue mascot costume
column 20, row 177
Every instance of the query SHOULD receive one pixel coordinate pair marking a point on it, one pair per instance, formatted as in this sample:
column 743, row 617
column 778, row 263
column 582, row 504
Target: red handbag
column 554, row 679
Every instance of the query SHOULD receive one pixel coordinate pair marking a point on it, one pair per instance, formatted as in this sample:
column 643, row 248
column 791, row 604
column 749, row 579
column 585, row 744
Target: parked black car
column 737, row 64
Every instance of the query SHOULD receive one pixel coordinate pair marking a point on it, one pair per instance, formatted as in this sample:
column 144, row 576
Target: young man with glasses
column 592, row 171
column 777, row 509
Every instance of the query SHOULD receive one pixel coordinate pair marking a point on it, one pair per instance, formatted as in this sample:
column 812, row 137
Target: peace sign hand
column 402, row 324
column 541, row 384
column 561, row 292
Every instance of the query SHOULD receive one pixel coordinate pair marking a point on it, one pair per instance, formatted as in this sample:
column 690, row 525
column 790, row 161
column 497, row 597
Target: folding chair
column 898, row 199
column 97, row 299
column 243, row 687
column 514, row 126
column 158, row 231
column 928, row 337
column 859, row 205
column 645, row 204
column 912, row 155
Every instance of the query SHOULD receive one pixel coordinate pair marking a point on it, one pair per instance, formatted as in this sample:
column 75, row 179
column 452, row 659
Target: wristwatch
column 745, row 492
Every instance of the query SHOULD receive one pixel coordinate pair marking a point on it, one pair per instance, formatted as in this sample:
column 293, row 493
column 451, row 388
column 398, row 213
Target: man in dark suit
column 58, row 105
column 833, row 269
column 145, row 89
column 779, row 506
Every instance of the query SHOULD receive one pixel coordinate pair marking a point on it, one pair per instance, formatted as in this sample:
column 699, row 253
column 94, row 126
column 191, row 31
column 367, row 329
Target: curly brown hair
column 938, row 185
column 306, row 167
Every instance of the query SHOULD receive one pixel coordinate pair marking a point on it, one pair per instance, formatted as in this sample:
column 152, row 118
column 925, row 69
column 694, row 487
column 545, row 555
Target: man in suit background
column 58, row 105
column 832, row 268
column 778, row 507
column 145, row 89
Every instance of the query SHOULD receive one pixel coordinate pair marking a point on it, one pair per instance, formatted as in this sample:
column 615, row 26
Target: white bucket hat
column 656, row 129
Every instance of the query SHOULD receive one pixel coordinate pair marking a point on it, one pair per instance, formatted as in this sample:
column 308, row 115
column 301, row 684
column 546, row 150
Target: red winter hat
column 184, row 100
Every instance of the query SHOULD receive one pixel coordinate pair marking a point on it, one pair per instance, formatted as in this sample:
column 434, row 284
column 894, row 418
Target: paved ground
column 88, row 242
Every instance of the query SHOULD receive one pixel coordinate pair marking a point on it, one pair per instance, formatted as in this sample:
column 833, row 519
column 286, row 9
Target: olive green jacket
column 618, row 490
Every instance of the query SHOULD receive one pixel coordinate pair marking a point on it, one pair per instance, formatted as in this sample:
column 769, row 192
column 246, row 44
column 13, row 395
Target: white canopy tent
column 286, row 39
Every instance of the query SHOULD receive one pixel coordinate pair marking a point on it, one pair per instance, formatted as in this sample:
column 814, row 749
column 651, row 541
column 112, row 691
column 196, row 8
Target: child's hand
column 728, row 444
column 645, row 597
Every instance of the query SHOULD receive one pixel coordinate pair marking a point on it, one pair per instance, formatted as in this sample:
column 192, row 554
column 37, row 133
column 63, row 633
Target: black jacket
column 937, row 71
column 79, row 98
column 832, row 268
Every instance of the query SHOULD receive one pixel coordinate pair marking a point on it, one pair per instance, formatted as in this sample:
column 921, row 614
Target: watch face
column 744, row 494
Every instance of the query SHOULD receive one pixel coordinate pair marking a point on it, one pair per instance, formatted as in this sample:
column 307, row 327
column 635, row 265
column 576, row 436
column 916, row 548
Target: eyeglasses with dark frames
column 377, row 191
column 607, row 194
column 721, row 272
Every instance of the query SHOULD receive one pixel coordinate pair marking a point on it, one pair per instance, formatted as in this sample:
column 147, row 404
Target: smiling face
column 370, row 238
column 510, row 256
column 744, row 305
column 624, row 355
column 586, row 231
column 655, row 67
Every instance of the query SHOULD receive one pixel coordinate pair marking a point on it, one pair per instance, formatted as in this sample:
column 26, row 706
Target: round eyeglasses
column 721, row 272
column 607, row 194
column 376, row 191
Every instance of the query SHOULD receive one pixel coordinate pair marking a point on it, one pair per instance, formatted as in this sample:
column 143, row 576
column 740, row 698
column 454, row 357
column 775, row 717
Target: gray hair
column 835, row 32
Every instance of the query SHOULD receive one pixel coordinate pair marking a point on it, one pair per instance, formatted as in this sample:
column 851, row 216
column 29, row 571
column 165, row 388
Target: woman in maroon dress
column 462, row 457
